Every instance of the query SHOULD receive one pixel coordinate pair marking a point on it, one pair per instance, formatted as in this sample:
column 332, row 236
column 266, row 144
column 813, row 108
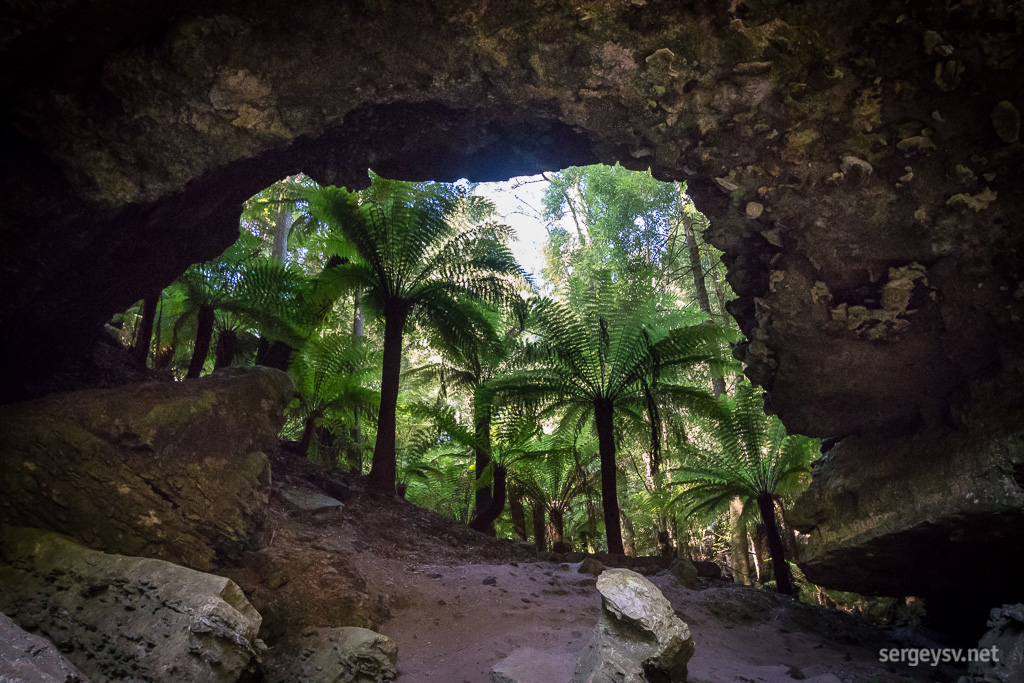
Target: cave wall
column 860, row 161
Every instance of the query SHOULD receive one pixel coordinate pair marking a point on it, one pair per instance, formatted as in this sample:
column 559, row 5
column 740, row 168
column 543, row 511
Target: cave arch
column 860, row 162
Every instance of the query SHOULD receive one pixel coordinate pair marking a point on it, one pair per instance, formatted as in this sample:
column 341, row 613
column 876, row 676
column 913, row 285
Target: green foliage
column 750, row 455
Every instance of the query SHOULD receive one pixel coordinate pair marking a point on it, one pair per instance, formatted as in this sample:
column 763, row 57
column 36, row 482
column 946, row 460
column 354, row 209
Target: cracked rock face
column 858, row 162
column 176, row 471
column 127, row 618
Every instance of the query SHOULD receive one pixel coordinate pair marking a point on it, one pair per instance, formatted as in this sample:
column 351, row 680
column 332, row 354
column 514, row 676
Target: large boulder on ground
column 684, row 571
column 637, row 637
column 123, row 618
column 25, row 658
column 175, row 471
column 1004, row 643
column 333, row 655
column 939, row 515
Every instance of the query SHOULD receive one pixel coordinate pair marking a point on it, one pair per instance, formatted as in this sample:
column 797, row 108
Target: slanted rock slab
column 311, row 503
column 346, row 654
column 25, row 657
column 172, row 470
column 637, row 636
column 121, row 618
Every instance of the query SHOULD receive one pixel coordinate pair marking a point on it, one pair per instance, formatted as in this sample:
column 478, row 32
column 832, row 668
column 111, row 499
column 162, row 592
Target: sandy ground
column 454, row 623
column 457, row 603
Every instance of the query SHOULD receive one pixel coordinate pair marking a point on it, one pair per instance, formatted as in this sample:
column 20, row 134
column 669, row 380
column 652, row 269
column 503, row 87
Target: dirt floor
column 457, row 603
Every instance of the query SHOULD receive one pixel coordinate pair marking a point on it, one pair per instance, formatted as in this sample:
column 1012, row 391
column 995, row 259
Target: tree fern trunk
column 484, row 522
column 518, row 512
column 483, row 496
column 783, row 578
column 145, row 335
column 307, row 435
column 227, row 347
column 204, row 334
column 557, row 527
column 603, row 416
column 540, row 540
column 384, row 469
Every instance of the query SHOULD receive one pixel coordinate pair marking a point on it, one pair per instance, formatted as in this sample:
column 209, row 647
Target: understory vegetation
column 591, row 406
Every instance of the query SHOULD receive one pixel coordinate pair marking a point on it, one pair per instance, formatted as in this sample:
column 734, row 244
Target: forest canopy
column 591, row 405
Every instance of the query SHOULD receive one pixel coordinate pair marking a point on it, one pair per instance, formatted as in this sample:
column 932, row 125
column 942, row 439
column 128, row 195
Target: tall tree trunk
column 628, row 536
column 788, row 534
column 518, row 512
column 540, row 540
column 717, row 383
column 482, row 429
column 204, row 334
column 603, row 417
column 783, row 578
column 227, row 347
column 484, row 521
column 738, row 543
column 145, row 332
column 384, row 469
column 282, row 226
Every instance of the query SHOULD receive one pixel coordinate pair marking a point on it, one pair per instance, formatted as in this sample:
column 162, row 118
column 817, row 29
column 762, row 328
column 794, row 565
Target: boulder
column 310, row 503
column 175, row 471
column 708, row 570
column 25, row 658
column 684, row 571
column 333, row 655
column 591, row 566
column 1005, row 643
column 127, row 618
column 638, row 636
column 938, row 515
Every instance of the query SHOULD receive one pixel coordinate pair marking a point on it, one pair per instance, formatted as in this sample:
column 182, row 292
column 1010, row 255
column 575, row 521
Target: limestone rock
column 25, row 658
column 127, row 618
column 637, row 636
column 684, row 571
column 333, row 655
column 1005, row 638
column 528, row 665
column 175, row 471
column 938, row 515
column 591, row 566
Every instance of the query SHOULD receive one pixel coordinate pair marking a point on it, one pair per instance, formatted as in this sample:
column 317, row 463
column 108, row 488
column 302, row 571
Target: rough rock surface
column 127, row 618
column 859, row 291
column 860, row 162
column 1005, row 639
column 175, row 471
column 684, row 571
column 637, row 636
column 333, row 655
column 25, row 658
column 940, row 516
